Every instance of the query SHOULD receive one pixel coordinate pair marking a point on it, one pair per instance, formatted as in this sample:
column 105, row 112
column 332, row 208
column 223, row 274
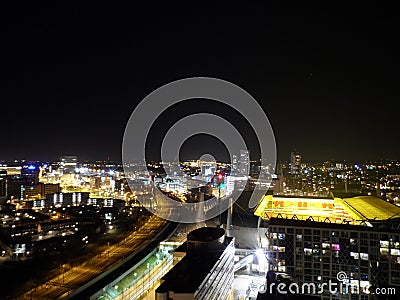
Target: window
column 384, row 251
column 395, row 245
column 317, row 265
column 384, row 244
column 307, row 251
column 355, row 255
column 326, row 246
column 394, row 252
column 373, row 236
column 354, row 234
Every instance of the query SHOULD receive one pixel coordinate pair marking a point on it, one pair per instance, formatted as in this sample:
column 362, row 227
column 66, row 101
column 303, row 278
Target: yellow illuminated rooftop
column 338, row 210
column 372, row 208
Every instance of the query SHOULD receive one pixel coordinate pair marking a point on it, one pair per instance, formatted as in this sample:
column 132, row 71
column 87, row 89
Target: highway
column 65, row 279
column 148, row 282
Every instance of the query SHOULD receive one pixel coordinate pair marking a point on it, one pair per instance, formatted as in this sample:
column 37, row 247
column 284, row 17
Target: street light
column 63, row 265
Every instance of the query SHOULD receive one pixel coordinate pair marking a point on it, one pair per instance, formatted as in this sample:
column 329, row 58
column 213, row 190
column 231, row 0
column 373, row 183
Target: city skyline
column 194, row 151
column 325, row 76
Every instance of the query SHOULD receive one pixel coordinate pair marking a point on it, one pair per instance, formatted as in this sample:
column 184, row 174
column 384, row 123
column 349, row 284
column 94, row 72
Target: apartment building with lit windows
column 315, row 252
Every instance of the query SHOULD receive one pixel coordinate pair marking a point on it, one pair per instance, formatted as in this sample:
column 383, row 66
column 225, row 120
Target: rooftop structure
column 337, row 210
column 210, row 254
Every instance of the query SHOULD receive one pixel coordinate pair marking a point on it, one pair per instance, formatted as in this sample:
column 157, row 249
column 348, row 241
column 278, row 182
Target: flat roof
column 188, row 274
column 367, row 208
column 206, row 234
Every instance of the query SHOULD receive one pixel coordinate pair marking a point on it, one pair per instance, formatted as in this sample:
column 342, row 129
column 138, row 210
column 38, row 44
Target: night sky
column 326, row 76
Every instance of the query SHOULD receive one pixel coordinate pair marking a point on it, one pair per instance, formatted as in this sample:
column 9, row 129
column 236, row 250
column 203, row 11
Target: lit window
column 355, row 255
column 384, row 244
column 394, row 252
column 384, row 251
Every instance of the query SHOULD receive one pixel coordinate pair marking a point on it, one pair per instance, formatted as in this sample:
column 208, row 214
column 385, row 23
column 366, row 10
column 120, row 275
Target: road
column 65, row 279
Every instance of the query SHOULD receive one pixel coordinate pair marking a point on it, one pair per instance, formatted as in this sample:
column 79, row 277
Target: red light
column 220, row 176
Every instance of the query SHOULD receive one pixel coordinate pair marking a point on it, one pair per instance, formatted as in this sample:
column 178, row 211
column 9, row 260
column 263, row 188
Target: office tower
column 295, row 163
column 234, row 168
column 244, row 162
column 68, row 164
column 3, row 183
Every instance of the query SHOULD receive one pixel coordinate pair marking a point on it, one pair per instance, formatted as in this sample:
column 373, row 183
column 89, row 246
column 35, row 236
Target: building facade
column 295, row 163
column 367, row 258
column 68, row 164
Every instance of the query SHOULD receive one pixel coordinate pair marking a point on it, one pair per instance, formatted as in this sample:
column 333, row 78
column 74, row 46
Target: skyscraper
column 244, row 162
column 234, row 168
column 68, row 163
column 295, row 162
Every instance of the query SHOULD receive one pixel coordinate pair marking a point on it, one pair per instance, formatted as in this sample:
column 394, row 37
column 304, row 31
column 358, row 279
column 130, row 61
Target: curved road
column 65, row 280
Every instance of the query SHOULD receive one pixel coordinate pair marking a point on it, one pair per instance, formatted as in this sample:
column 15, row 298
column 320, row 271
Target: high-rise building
column 235, row 166
column 366, row 258
column 295, row 163
column 206, row 269
column 3, row 183
column 40, row 190
column 68, row 164
column 244, row 162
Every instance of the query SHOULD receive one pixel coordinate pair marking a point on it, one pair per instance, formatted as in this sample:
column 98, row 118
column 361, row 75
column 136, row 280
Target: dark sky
column 327, row 76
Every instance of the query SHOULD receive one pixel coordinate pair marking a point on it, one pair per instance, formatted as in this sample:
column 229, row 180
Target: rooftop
column 206, row 234
column 372, row 208
column 188, row 274
column 382, row 226
column 353, row 209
